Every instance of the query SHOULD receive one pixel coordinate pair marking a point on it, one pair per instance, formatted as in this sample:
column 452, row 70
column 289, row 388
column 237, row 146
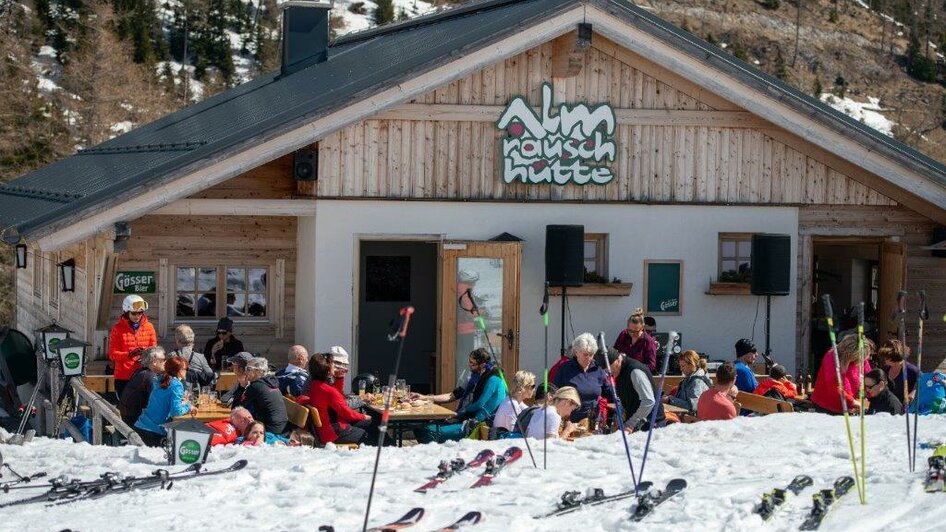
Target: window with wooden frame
column 53, row 278
column 203, row 292
column 596, row 258
column 735, row 257
column 38, row 275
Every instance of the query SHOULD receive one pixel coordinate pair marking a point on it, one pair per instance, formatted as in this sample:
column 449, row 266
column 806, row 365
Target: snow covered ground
column 728, row 465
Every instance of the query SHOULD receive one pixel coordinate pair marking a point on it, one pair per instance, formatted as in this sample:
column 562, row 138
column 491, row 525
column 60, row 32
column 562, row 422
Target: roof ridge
column 39, row 193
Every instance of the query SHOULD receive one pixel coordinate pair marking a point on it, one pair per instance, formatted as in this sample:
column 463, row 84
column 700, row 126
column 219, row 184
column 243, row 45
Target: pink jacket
column 826, row 393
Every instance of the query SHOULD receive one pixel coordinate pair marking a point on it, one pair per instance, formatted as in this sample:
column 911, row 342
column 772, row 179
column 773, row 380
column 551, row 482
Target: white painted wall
column 305, row 280
column 637, row 232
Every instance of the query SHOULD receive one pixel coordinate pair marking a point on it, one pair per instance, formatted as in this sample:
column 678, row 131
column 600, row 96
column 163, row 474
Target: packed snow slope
column 727, row 464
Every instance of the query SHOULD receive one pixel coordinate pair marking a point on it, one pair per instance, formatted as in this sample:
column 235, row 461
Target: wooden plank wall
column 924, row 272
column 272, row 180
column 458, row 159
column 211, row 240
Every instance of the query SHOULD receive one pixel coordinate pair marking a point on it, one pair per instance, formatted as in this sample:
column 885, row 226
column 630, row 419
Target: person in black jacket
column 262, row 397
column 138, row 390
column 199, row 372
column 635, row 388
column 880, row 397
column 222, row 346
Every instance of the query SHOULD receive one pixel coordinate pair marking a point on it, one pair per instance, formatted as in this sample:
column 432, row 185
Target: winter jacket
column 745, row 379
column 333, row 410
column 263, row 400
column 229, row 349
column 644, row 350
column 224, row 432
column 486, row 397
column 199, row 371
column 784, row 387
column 635, row 387
column 553, row 371
column 895, row 384
column 124, row 339
column 825, row 395
column 136, row 395
column 293, row 380
column 590, row 385
column 163, row 404
column 887, row 402
column 690, row 389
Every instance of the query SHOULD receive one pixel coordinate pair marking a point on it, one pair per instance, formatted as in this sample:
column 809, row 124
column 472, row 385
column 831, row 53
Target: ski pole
column 609, row 377
column 924, row 314
column 404, row 319
column 668, row 350
column 544, row 311
column 829, row 317
column 902, row 334
column 862, row 489
column 481, row 325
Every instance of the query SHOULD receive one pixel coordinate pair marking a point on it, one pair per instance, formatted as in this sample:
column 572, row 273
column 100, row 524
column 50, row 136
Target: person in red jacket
column 226, row 431
column 826, row 396
column 340, row 424
column 129, row 337
column 778, row 381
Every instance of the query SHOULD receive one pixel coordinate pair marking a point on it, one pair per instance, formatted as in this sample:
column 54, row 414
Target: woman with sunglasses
column 128, row 339
column 879, row 396
column 508, row 411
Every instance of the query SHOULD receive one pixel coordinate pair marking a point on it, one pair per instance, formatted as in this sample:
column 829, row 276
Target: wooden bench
column 298, row 414
column 763, row 405
column 315, row 422
column 672, row 381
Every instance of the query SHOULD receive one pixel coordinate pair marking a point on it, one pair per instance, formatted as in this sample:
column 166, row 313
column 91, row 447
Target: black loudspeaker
column 565, row 255
column 771, row 264
column 305, row 165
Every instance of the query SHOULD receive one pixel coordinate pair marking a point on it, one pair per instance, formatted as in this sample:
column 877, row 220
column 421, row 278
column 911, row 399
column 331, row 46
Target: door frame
column 450, row 251
column 434, row 239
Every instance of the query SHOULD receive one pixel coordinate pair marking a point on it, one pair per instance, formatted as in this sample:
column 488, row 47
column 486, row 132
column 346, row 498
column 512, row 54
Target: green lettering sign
column 71, row 360
column 135, row 283
column 189, row 451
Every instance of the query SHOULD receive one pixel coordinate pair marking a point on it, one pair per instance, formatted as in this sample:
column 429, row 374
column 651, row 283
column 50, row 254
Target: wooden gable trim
column 255, row 153
column 238, row 207
column 876, row 171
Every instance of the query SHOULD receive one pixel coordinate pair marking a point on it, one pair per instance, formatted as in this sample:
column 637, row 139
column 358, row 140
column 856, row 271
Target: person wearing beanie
column 222, row 346
column 746, row 354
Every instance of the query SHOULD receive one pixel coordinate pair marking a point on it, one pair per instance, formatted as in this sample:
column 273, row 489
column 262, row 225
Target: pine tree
column 383, row 12
column 781, row 69
column 818, row 89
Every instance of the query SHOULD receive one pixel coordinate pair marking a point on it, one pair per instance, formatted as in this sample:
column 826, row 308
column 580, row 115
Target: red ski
column 448, row 469
column 470, row 519
column 495, row 465
column 409, row 519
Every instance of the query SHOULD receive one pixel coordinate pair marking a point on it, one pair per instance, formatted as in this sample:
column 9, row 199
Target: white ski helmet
column 134, row 303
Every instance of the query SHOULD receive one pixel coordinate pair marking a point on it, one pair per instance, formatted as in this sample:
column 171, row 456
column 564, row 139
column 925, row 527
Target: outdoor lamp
column 71, row 357
column 189, row 441
column 21, row 256
column 52, row 335
column 67, row 271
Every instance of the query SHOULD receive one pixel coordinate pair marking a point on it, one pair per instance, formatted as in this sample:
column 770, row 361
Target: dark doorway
column 393, row 275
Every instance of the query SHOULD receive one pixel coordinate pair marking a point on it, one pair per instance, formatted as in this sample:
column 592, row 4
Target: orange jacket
column 123, row 340
column 786, row 388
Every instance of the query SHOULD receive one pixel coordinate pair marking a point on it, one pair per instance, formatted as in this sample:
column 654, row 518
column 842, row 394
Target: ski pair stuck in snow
column 823, row 500
column 493, row 464
column 935, row 481
column 62, row 491
column 647, row 502
column 414, row 516
column 774, row 500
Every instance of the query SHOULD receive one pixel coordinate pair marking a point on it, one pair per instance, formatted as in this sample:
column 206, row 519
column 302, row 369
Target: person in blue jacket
column 745, row 355
column 165, row 402
column 479, row 400
column 585, row 376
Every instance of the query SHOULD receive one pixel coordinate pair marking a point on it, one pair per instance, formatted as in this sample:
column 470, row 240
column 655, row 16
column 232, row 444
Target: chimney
column 304, row 33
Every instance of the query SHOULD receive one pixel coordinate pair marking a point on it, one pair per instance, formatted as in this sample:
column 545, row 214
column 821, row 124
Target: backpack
column 526, row 416
column 931, row 394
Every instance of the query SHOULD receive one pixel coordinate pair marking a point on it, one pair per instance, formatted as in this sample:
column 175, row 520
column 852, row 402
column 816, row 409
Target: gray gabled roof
column 358, row 66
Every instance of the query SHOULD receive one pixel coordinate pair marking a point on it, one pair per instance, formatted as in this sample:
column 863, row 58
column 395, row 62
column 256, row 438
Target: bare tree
column 798, row 9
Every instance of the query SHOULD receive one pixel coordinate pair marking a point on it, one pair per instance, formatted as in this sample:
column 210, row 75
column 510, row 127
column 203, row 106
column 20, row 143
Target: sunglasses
column 223, row 332
column 137, row 312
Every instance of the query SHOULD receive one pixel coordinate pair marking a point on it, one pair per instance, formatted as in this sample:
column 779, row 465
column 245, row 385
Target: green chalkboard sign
column 663, row 287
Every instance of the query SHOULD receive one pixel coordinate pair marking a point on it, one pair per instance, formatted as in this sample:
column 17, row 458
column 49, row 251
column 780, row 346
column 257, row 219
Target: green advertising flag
column 135, row 283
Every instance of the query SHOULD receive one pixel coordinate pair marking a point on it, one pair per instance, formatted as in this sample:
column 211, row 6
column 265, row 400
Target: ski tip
column 677, row 483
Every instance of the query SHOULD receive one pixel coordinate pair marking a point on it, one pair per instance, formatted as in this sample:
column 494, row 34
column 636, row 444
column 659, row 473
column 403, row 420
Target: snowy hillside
column 728, row 465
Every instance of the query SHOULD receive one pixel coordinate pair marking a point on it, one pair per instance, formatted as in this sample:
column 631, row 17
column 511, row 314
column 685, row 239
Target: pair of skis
column 647, row 499
column 936, row 476
column 822, row 500
column 415, row 516
column 493, row 465
column 62, row 490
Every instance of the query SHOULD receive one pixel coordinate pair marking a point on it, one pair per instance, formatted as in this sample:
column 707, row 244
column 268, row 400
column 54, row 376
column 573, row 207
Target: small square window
column 596, row 258
column 735, row 257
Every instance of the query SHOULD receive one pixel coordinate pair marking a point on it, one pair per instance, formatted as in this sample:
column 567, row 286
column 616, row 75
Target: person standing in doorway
column 130, row 336
column 636, row 343
column 222, row 346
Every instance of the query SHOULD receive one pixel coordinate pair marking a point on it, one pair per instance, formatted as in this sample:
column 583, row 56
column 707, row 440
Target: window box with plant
column 733, row 267
column 596, row 272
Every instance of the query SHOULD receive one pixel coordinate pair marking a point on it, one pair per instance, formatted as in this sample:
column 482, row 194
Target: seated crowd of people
column 586, row 391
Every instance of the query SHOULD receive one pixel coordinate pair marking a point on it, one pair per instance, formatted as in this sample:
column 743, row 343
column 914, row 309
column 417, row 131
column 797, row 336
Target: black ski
column 935, row 476
column 470, row 519
column 824, row 500
column 63, row 491
column 775, row 499
column 408, row 520
column 572, row 501
column 650, row 500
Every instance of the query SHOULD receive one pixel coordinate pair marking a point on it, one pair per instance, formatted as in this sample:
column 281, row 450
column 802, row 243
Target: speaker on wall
column 565, row 255
column 305, row 164
column 771, row 264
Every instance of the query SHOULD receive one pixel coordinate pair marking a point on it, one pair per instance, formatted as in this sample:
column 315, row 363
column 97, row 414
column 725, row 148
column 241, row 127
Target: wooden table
column 402, row 419
column 212, row 412
column 675, row 409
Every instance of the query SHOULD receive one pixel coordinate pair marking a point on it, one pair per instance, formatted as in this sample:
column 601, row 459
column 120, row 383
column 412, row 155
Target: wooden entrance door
column 893, row 278
column 482, row 277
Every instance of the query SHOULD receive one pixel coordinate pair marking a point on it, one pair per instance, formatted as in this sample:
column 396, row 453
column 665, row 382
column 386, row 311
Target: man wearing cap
column 239, row 362
column 222, row 346
column 745, row 355
column 294, row 378
column 340, row 361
